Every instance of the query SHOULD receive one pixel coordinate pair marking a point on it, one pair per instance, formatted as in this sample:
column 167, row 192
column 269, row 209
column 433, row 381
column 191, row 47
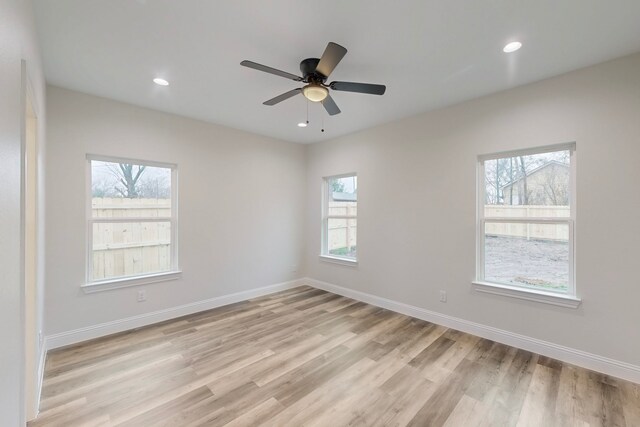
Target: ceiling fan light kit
column 315, row 72
column 315, row 93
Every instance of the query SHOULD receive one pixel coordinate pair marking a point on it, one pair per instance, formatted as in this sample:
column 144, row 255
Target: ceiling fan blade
column 359, row 87
column 330, row 105
column 280, row 98
column 270, row 70
column 330, row 58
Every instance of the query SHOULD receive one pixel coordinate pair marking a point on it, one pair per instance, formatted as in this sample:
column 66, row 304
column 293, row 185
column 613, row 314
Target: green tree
column 337, row 186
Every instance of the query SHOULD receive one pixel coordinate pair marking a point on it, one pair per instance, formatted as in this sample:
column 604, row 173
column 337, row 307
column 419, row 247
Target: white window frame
column 174, row 273
column 324, row 250
column 568, row 299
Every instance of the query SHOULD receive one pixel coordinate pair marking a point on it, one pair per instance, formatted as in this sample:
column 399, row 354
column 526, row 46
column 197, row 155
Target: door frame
column 31, row 369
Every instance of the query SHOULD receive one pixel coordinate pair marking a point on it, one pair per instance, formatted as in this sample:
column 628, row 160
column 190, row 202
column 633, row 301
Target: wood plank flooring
column 305, row 357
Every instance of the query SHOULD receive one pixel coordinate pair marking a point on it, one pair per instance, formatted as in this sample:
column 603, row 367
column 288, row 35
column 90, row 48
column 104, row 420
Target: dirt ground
column 539, row 263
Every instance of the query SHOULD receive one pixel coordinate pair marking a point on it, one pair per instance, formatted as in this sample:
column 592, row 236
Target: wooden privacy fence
column 559, row 232
column 130, row 248
column 342, row 232
column 117, row 207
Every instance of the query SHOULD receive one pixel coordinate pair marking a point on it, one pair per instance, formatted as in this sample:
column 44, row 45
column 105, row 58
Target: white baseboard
column 90, row 332
column 576, row 357
column 573, row 356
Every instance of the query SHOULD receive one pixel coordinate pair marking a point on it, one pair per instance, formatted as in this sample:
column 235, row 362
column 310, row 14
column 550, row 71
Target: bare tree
column 123, row 180
column 128, row 176
column 524, row 196
column 158, row 187
column 490, row 189
column 509, row 181
column 497, row 176
column 511, row 178
column 555, row 187
column 497, row 181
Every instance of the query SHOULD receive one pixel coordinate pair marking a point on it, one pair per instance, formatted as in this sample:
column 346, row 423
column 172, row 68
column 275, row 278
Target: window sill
column 337, row 260
column 527, row 294
column 108, row 285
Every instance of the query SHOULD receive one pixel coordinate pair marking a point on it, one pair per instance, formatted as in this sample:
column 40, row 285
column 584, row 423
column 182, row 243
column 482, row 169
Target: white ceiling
column 429, row 53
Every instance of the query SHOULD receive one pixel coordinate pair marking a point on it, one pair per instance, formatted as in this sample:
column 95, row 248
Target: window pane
column 528, row 254
column 130, row 249
column 341, row 237
column 343, row 189
column 528, row 186
column 129, row 190
column 342, row 208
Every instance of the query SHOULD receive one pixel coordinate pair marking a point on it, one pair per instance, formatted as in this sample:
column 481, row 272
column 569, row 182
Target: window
column 132, row 220
column 526, row 215
column 339, row 219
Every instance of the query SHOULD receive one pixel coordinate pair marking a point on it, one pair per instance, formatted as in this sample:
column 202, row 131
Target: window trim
column 126, row 282
column 568, row 299
column 339, row 260
column 520, row 292
column 174, row 272
column 324, row 252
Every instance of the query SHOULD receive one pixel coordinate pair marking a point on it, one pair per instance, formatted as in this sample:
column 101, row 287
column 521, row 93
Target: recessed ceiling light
column 512, row 47
column 161, row 82
column 302, row 125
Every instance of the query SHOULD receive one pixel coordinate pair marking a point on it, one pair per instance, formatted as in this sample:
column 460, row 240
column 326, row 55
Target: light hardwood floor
column 308, row 357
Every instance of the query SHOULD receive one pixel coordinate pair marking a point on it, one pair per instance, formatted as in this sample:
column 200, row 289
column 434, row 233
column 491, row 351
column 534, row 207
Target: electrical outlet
column 443, row 296
column 142, row 296
column 294, row 268
column 40, row 338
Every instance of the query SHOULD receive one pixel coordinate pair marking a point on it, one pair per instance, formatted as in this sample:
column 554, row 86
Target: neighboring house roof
column 344, row 197
column 536, row 170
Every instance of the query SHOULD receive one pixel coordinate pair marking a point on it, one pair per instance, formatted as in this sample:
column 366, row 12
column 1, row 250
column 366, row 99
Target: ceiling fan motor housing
column 308, row 70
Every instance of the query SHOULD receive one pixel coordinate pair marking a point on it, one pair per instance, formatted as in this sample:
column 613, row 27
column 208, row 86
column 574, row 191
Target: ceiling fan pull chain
column 307, row 112
column 322, row 115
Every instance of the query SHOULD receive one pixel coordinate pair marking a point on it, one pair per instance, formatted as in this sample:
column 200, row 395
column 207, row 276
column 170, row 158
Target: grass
column 345, row 251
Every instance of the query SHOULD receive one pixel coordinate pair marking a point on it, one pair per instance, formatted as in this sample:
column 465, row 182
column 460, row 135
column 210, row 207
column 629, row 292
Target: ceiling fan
column 315, row 73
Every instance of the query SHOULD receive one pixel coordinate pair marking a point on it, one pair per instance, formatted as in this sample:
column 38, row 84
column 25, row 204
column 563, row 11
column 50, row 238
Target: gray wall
column 239, row 195
column 408, row 250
